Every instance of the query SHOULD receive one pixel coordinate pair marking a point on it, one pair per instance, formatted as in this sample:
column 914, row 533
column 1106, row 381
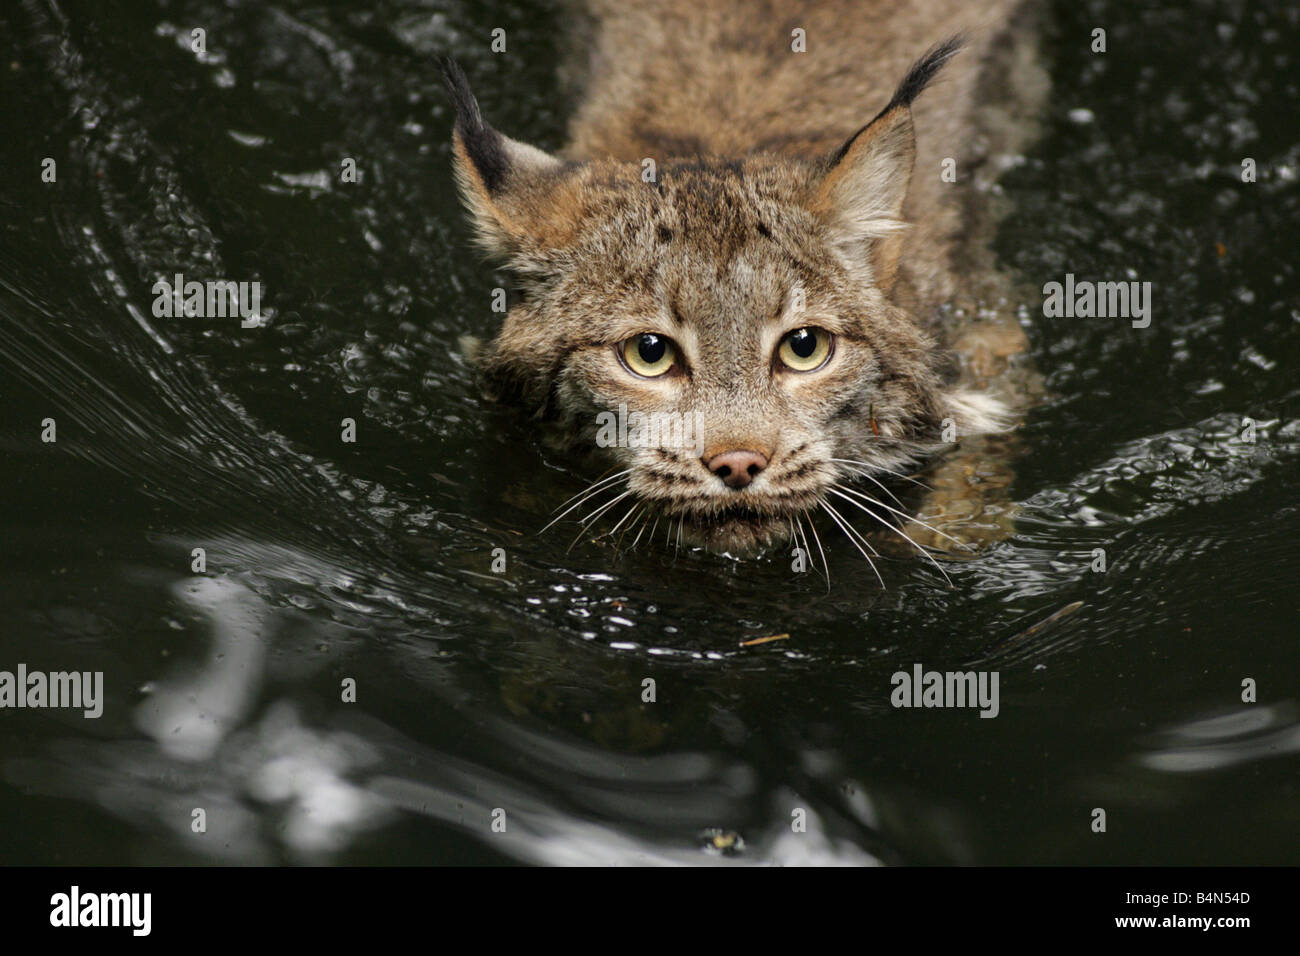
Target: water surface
column 371, row 561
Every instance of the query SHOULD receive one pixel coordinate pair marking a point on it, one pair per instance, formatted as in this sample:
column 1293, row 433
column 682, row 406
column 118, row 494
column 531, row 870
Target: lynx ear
column 860, row 197
column 507, row 186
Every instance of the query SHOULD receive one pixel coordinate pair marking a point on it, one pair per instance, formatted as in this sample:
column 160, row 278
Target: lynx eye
column 648, row 354
column 805, row 349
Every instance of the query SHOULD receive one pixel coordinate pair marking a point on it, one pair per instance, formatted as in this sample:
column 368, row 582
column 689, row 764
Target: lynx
column 751, row 226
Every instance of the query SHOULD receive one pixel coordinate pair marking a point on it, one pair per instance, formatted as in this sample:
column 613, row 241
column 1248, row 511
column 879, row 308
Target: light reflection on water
column 1269, row 731
column 522, row 691
column 327, row 786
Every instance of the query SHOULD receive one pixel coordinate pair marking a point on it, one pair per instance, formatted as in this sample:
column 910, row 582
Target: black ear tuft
column 468, row 117
column 924, row 70
column 917, row 79
column 484, row 146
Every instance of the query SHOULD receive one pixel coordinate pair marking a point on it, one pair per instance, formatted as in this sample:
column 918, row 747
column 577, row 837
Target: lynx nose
column 737, row 468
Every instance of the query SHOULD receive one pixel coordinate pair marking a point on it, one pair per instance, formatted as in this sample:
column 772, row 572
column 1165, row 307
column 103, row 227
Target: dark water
column 371, row 561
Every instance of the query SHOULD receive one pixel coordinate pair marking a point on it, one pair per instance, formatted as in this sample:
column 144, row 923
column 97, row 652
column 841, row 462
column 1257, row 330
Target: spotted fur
column 790, row 190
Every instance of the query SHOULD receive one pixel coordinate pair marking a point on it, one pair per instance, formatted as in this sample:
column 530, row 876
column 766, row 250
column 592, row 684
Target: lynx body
column 751, row 228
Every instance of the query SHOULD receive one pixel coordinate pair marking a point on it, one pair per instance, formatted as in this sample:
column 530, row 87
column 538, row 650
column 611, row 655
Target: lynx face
column 738, row 311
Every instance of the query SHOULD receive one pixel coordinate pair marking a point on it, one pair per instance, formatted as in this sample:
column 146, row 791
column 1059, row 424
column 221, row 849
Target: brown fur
column 778, row 203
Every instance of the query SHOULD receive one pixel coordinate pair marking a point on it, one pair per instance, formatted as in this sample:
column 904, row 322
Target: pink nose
column 737, row 468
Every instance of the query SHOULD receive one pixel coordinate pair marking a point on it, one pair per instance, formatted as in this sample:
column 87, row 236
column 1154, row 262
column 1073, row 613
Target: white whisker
column 903, row 514
column 585, row 495
column 889, row 471
column 861, row 473
column 603, row 480
column 900, row 532
column 645, row 520
column 848, row 533
column 812, row 526
column 636, row 506
column 588, row 521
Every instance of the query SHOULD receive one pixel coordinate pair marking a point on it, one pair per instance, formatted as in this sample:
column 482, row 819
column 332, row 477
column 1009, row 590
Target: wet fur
column 775, row 172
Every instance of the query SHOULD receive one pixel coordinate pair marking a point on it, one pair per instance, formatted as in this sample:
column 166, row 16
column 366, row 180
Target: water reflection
column 518, row 691
column 1259, row 732
column 271, row 784
column 191, row 714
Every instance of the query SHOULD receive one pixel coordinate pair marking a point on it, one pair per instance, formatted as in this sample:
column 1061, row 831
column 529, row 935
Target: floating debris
column 1054, row 618
column 764, row 640
column 722, row 842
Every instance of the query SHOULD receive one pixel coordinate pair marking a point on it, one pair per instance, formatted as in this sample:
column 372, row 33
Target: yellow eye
column 648, row 354
column 805, row 349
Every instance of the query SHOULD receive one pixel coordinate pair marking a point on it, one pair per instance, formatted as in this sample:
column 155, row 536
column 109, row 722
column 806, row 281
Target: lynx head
column 727, row 323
